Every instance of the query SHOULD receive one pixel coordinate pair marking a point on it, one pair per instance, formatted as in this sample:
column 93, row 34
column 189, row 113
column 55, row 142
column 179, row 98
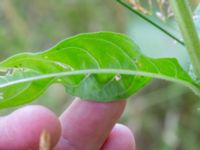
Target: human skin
column 85, row 125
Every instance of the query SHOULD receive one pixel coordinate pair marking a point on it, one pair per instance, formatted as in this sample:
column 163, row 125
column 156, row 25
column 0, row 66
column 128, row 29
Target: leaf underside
column 101, row 66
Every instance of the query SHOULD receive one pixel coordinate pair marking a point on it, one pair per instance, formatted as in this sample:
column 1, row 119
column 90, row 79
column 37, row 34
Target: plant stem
column 190, row 36
column 150, row 21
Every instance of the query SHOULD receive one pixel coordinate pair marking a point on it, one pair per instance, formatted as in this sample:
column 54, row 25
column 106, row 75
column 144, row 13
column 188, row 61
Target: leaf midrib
column 193, row 86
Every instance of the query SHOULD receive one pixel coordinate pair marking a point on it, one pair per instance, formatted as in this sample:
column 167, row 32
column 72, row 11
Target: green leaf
column 101, row 66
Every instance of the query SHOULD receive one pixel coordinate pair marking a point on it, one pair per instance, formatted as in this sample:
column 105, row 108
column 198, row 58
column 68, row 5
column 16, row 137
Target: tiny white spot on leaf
column 118, row 77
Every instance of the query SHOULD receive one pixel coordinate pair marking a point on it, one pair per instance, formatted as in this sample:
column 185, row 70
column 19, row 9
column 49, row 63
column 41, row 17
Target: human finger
column 21, row 129
column 86, row 124
column 120, row 138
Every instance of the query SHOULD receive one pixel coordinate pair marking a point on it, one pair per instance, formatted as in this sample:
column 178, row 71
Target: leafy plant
column 101, row 66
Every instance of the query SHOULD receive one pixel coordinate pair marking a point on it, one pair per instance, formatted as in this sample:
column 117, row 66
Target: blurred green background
column 163, row 116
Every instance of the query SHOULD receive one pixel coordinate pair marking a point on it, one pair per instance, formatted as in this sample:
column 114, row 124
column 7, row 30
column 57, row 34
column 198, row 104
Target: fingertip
column 23, row 128
column 86, row 122
column 121, row 137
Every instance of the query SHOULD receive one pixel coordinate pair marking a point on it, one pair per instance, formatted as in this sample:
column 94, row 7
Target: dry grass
column 159, row 8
